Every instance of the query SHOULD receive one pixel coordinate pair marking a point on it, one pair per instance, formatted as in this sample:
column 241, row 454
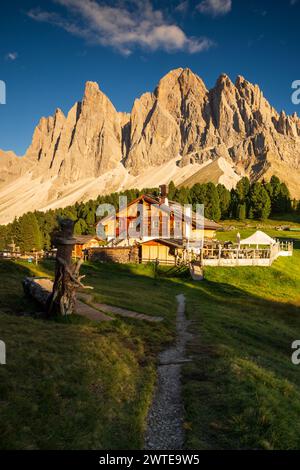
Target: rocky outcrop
column 11, row 167
column 181, row 120
column 233, row 121
column 168, row 123
column 85, row 143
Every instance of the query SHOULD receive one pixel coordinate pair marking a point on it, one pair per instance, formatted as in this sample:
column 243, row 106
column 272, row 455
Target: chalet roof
column 172, row 242
column 208, row 224
column 172, row 207
column 82, row 239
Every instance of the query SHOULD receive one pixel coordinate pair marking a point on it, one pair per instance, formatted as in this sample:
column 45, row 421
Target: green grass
column 72, row 387
column 242, row 391
column 290, row 220
column 77, row 384
column 280, row 282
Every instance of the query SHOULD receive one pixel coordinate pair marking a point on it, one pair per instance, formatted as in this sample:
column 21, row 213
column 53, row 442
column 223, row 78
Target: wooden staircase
column 196, row 271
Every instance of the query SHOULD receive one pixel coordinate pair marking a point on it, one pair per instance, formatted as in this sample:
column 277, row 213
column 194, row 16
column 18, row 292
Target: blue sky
column 49, row 49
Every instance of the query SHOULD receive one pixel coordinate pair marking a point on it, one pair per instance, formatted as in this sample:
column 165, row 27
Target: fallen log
column 39, row 289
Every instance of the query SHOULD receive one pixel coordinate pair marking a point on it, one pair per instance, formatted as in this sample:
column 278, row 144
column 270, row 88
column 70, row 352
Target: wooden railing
column 239, row 253
column 244, row 256
column 286, row 246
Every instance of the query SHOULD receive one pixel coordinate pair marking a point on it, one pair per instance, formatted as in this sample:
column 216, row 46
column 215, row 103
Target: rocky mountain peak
column 180, row 81
column 91, row 89
column 180, row 120
column 224, row 81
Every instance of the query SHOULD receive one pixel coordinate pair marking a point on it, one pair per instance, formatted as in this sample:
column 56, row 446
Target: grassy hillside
column 241, row 390
column 210, row 173
column 78, row 384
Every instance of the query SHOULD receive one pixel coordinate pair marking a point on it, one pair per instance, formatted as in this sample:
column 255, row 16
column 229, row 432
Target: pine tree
column 241, row 198
column 275, row 194
column 28, row 233
column 225, row 200
column 80, row 227
column 171, row 190
column 3, row 237
column 242, row 211
column 212, row 204
column 198, row 194
column 294, row 204
column 182, row 196
column 283, row 203
column 260, row 202
column 15, row 232
column 279, row 195
column 243, row 189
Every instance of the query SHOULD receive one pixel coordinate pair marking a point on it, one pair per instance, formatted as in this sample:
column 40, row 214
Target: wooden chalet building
column 158, row 226
column 84, row 242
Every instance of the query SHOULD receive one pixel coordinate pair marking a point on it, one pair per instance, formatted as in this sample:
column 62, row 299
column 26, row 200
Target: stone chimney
column 163, row 194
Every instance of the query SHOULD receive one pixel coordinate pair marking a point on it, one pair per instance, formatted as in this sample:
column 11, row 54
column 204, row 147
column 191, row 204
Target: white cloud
column 215, row 7
column 182, row 7
column 124, row 26
column 12, row 56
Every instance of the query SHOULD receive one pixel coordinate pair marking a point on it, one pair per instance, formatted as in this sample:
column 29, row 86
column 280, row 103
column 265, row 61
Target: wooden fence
column 245, row 256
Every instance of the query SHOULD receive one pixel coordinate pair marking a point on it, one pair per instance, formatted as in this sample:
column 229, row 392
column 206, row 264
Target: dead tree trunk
column 67, row 279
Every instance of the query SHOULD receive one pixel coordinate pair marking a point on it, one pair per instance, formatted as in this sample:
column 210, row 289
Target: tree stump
column 67, row 279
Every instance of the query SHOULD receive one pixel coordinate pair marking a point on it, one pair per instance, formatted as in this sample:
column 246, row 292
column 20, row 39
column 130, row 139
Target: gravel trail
column 165, row 420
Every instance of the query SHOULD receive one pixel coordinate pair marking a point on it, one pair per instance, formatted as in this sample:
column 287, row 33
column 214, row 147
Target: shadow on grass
column 89, row 386
column 12, row 298
column 287, row 217
column 71, row 384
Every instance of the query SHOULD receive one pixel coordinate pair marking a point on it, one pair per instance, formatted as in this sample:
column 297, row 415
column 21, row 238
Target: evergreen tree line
column 32, row 231
column 260, row 200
